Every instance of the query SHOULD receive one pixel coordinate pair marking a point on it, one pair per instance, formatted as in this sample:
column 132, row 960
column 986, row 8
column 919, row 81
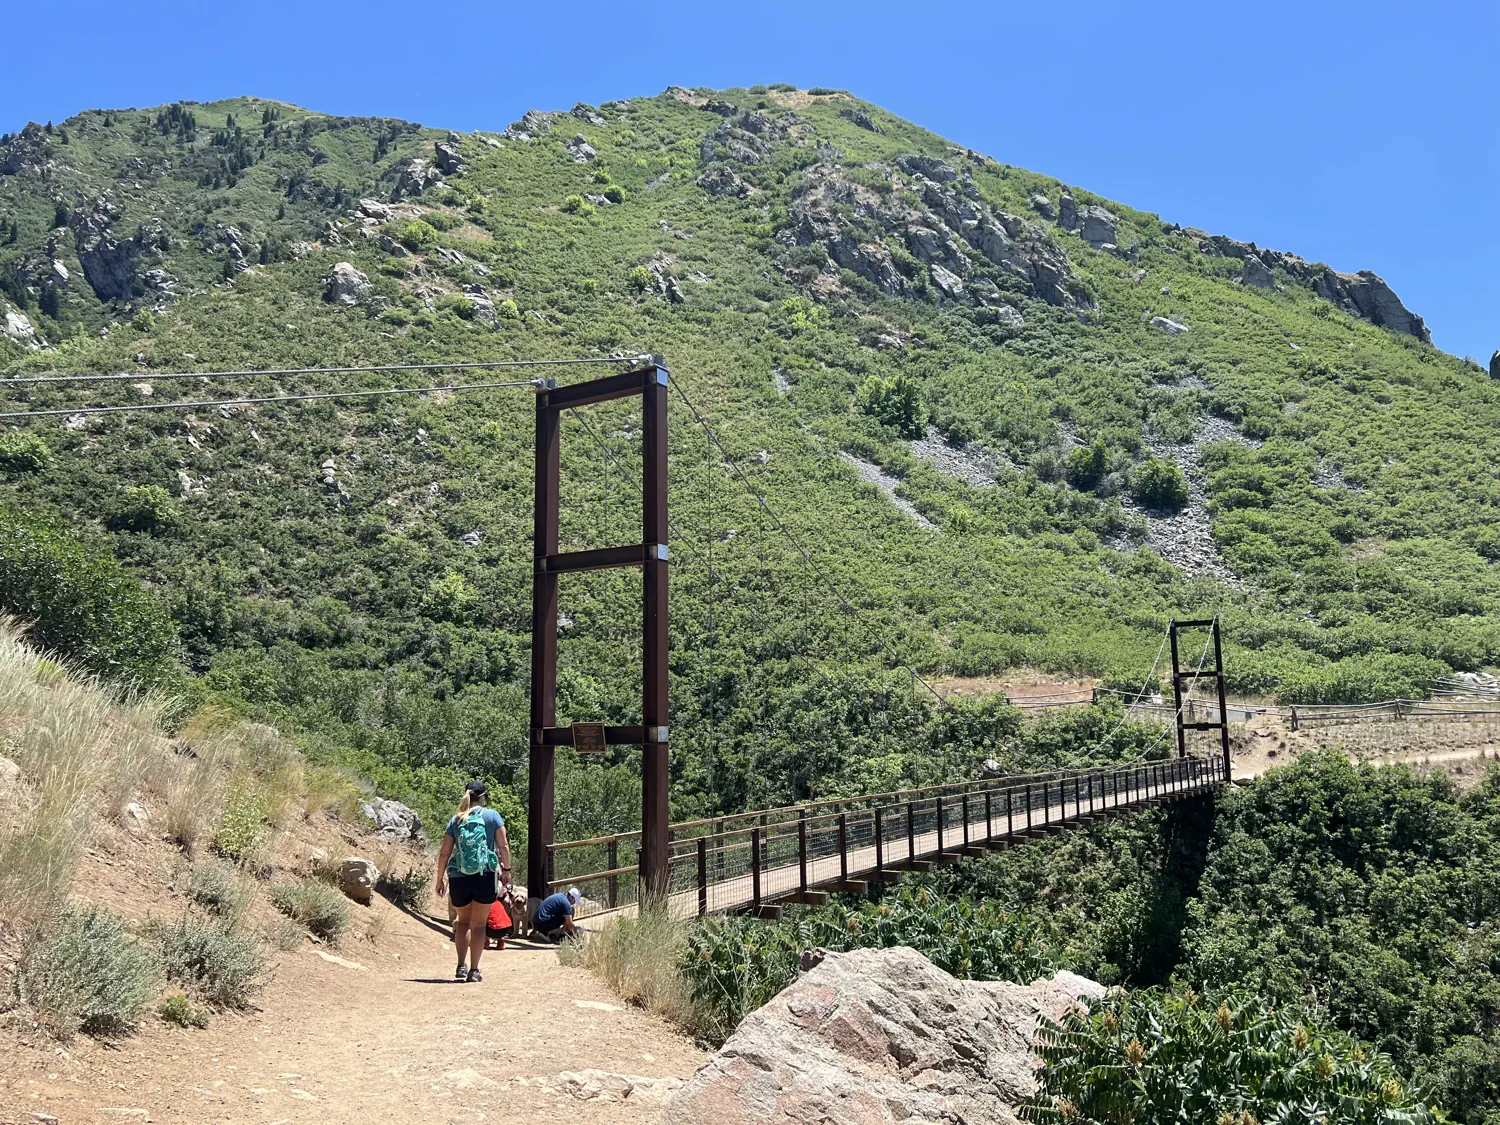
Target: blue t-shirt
column 493, row 822
column 554, row 908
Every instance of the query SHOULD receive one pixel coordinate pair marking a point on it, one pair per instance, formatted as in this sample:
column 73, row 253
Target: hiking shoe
column 475, row 976
column 462, row 972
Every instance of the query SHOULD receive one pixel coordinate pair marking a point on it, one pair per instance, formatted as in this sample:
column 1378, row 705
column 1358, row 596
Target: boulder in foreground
column 878, row 1036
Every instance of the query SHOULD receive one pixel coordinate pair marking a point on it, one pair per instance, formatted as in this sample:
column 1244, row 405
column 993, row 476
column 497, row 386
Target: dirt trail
column 363, row 1034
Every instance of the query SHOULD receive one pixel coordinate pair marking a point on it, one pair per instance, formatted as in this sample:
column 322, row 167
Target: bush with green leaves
column 640, row 279
column 406, row 891
column 894, row 401
column 82, row 604
column 23, row 452
column 217, row 886
column 222, row 964
column 179, row 1011
column 1226, row 1059
column 243, row 827
column 313, row 904
column 417, row 235
column 736, row 965
column 1158, row 483
column 83, row 971
column 149, row 508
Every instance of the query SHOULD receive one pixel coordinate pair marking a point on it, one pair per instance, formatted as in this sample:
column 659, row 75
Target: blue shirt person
column 554, row 917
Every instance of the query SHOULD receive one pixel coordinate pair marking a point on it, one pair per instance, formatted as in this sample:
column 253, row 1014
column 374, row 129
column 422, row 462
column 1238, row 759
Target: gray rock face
column 392, row 819
column 1093, row 224
column 861, row 118
column 449, row 160
column 721, row 179
column 345, row 285
column 1495, row 365
column 580, row 149
column 1168, row 325
column 875, row 1037
column 414, row 176
column 111, row 264
column 1255, row 273
column 951, row 284
column 585, row 112
column 357, row 878
column 392, row 247
column 1043, row 206
column 533, row 123
column 929, row 166
column 1363, row 294
column 483, row 305
column 28, row 151
column 17, row 328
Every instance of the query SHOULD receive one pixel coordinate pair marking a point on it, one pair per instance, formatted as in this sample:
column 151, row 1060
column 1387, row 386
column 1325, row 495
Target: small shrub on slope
column 214, row 884
column 221, row 964
column 894, row 402
column 1159, row 484
column 1231, row 1060
column 179, row 1011
column 313, row 904
column 83, row 971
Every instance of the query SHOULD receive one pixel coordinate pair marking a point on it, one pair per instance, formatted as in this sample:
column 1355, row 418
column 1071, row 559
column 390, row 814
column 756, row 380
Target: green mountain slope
column 848, row 299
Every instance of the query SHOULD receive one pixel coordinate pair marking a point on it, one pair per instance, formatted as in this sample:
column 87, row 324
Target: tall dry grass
column 640, row 958
column 82, row 747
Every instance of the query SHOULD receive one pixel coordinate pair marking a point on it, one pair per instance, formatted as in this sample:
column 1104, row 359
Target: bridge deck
column 758, row 861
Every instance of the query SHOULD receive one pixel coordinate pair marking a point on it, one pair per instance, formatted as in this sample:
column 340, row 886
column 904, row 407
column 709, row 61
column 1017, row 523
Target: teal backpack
column 472, row 850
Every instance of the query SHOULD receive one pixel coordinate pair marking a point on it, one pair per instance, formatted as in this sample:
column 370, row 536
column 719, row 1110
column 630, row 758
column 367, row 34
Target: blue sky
column 1365, row 135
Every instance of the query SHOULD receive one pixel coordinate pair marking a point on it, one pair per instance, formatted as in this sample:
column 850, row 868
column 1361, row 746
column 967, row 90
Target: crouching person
column 554, row 918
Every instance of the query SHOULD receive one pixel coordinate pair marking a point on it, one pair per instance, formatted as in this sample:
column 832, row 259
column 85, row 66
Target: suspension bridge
column 759, row 860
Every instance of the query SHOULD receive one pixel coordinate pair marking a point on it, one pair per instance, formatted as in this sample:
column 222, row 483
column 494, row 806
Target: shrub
column 243, row 829
column 81, row 604
column 179, row 1011
column 406, row 891
column 143, row 321
column 456, row 303
column 314, row 905
column 1156, row 483
column 22, row 452
column 214, row 884
column 82, row 971
column 1087, row 465
column 894, row 402
column 1154, row 1056
column 223, row 965
column 797, row 315
column 508, row 310
column 440, row 220
column 417, row 235
column 282, row 933
column 614, row 193
column 577, row 205
column 640, row 279
column 147, row 507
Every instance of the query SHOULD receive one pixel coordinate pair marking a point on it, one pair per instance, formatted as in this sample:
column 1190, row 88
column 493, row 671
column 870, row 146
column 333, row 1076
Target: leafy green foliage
column 224, row 965
column 313, row 904
column 23, row 452
column 83, row 971
column 243, row 823
column 148, row 508
column 81, row 603
column 735, row 965
column 406, row 891
column 179, row 1011
column 894, row 402
column 1227, row 1058
column 1158, row 483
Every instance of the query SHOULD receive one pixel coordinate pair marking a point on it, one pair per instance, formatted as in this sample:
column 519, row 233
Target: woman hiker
column 474, row 851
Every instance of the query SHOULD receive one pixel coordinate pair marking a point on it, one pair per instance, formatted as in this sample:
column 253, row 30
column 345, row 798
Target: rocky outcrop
column 585, row 112
column 880, row 1036
column 345, row 285
column 16, row 327
column 533, row 123
column 580, row 149
column 1363, row 294
column 721, row 179
column 357, row 878
column 392, row 819
column 1043, row 206
column 1094, row 224
column 1169, row 326
column 28, row 151
column 113, row 265
column 948, row 222
column 449, row 160
column 1495, row 365
column 413, row 176
column 860, row 117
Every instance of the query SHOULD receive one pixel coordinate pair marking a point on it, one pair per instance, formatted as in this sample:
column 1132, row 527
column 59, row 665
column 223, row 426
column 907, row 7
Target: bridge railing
column 748, row 860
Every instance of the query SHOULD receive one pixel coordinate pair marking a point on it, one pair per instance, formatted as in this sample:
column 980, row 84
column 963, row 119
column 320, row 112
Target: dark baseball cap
column 477, row 788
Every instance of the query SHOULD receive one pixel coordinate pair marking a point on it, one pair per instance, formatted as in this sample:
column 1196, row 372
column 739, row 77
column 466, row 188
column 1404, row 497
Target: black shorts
column 464, row 889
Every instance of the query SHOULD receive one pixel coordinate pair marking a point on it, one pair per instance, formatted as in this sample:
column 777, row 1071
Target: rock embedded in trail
column 357, row 878
column 880, row 1036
